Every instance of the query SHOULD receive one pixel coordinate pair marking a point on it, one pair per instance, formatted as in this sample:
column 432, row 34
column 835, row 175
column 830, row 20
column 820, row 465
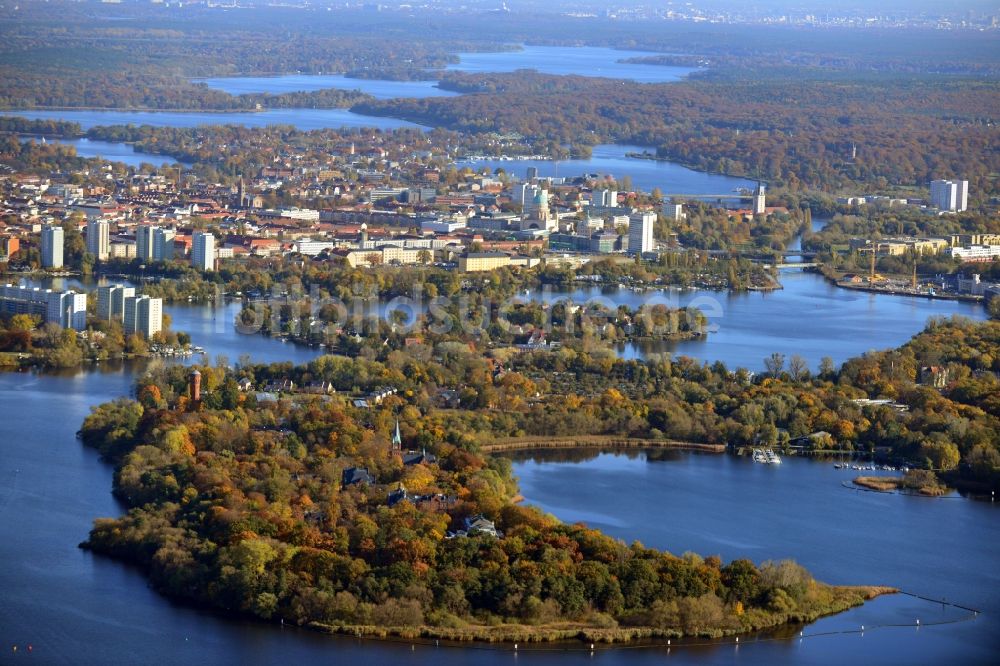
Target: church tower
column 397, row 439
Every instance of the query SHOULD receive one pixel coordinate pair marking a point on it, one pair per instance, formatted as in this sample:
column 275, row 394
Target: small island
column 918, row 481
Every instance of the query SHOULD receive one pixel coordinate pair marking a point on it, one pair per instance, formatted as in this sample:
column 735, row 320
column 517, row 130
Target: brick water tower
column 194, row 386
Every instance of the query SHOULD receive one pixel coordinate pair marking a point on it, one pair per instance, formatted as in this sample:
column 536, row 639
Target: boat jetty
column 766, row 456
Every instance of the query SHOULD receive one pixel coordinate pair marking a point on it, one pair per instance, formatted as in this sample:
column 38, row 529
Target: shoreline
column 837, row 282
column 595, row 441
column 846, row 598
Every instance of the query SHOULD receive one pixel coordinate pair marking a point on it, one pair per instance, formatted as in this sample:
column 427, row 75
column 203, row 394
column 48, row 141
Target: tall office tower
column 143, row 315
column 52, row 246
column 163, row 244
column 759, row 200
column 532, row 173
column 203, row 251
column 144, row 242
column 640, row 232
column 98, row 238
column 950, row 195
column 111, row 301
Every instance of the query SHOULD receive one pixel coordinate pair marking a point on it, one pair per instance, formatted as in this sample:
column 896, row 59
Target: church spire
column 397, row 438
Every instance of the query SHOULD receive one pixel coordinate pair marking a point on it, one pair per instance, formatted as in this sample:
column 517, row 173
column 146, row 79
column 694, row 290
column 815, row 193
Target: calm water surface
column 111, row 151
column 585, row 61
column 74, row 608
column 304, row 119
column 718, row 504
column 611, row 160
column 809, row 317
column 275, row 85
column 582, row 61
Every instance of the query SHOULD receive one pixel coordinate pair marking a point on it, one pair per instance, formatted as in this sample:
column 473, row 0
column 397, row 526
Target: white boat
column 766, row 456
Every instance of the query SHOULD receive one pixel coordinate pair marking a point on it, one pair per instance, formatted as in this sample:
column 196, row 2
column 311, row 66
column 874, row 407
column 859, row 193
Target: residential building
column 143, row 315
column 385, row 194
column 203, row 251
column 356, row 476
column 894, row 247
column 475, row 262
column 965, row 240
column 311, row 248
column 977, row 253
column 604, row 199
column 674, row 211
column 384, row 256
column 442, row 225
column 640, row 232
column 934, row 375
column 123, row 250
column 66, row 308
column 163, row 244
column 53, row 240
column 9, row 245
column 111, row 301
column 144, row 242
column 99, row 238
column 950, row 195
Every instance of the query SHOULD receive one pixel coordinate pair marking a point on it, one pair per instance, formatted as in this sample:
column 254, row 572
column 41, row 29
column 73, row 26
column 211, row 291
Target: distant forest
column 792, row 133
column 783, row 104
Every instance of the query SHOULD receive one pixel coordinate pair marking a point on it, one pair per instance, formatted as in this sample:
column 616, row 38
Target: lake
column 732, row 507
column 585, row 61
column 111, row 151
column 809, row 317
column 303, row 119
column 612, row 160
column 73, row 607
column 579, row 60
column 275, row 85
column 560, row 60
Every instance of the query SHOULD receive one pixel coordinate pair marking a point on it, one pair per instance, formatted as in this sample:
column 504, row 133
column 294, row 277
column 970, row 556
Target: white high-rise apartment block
column 163, row 244
column 640, row 232
column 66, row 308
column 99, row 238
column 203, row 251
column 144, row 242
column 674, row 211
column 950, row 195
column 143, row 315
column 604, row 198
column 53, row 240
column 111, row 301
